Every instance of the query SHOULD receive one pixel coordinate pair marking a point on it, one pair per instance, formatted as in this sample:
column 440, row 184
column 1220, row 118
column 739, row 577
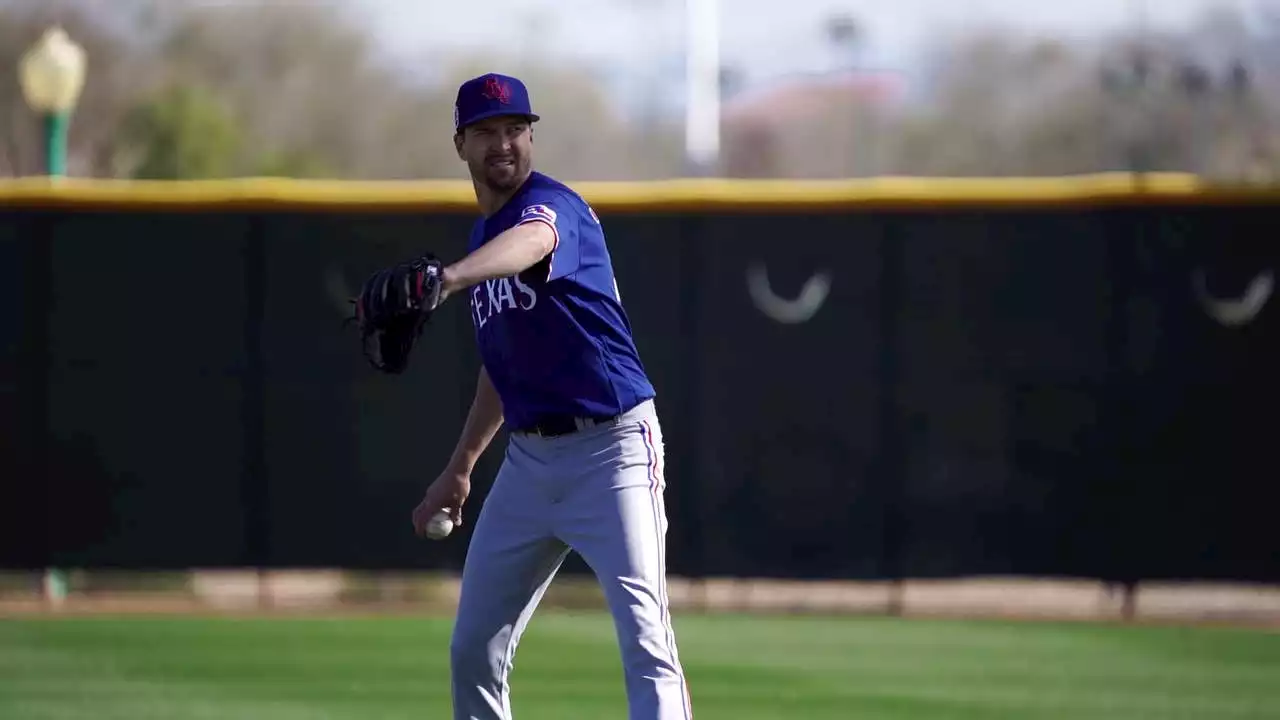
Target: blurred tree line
column 1203, row 101
column 181, row 89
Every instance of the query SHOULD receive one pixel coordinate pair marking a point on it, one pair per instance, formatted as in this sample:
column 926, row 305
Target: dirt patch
column 336, row 592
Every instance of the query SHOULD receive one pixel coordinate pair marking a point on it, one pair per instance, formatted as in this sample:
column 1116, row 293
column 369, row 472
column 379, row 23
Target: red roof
column 808, row 95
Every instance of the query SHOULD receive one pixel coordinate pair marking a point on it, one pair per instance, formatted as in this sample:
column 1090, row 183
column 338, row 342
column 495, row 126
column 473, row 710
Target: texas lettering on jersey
column 493, row 297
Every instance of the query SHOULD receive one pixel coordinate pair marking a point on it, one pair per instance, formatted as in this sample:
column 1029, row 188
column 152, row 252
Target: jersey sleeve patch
column 538, row 212
column 544, row 214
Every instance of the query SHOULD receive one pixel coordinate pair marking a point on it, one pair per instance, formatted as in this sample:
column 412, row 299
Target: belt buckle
column 546, row 429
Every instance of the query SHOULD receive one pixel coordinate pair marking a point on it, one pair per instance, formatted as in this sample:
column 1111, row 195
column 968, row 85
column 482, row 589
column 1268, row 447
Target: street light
column 52, row 75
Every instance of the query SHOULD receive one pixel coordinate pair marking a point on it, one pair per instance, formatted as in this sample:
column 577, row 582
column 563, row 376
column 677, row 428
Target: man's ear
column 457, row 144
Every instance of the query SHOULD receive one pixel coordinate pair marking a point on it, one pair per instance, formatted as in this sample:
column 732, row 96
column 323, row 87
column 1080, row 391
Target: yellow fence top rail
column 656, row 196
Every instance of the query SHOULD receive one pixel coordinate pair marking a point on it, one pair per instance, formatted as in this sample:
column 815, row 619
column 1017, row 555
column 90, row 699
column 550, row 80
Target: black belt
column 557, row 425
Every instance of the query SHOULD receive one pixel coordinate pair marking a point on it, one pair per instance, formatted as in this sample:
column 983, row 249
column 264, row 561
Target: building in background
column 820, row 125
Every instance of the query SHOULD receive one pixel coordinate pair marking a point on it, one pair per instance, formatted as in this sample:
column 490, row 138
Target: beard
column 501, row 176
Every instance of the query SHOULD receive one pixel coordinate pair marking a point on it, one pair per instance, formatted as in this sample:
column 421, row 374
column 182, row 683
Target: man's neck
column 490, row 200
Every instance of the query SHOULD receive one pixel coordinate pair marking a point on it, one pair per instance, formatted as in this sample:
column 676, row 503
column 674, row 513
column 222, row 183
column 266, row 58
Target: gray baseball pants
column 598, row 492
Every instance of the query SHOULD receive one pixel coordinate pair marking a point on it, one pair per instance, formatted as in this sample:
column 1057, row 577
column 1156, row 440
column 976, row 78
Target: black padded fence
column 846, row 392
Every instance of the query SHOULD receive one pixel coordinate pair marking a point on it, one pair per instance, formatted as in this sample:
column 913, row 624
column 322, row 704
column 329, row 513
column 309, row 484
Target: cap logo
column 495, row 89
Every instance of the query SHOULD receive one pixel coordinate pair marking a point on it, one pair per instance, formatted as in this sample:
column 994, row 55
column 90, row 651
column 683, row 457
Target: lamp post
column 702, row 86
column 52, row 75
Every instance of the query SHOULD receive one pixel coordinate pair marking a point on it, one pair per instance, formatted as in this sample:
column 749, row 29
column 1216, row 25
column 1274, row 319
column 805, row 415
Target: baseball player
column 583, row 468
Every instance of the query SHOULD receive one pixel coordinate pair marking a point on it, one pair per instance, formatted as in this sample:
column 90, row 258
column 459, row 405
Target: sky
column 636, row 45
column 759, row 33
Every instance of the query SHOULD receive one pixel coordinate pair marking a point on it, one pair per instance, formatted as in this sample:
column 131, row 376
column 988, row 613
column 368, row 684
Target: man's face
column 498, row 151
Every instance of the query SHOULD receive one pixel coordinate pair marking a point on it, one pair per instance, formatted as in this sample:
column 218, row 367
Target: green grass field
column 740, row 668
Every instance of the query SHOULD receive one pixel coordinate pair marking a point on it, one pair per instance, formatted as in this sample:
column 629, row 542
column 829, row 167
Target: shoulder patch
column 538, row 212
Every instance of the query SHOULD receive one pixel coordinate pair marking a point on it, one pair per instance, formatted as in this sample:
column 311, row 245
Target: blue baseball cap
column 488, row 96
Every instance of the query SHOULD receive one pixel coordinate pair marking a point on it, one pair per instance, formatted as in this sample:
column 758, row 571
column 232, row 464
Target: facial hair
column 499, row 180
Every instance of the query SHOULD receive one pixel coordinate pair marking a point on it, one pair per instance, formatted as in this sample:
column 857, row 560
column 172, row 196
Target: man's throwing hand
column 449, row 491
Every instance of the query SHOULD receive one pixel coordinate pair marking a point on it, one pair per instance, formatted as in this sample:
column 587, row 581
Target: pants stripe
column 655, row 489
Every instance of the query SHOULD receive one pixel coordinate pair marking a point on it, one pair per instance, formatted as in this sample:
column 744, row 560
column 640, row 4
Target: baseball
column 440, row 525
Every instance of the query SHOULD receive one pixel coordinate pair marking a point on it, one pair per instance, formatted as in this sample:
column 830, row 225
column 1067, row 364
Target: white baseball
column 440, row 525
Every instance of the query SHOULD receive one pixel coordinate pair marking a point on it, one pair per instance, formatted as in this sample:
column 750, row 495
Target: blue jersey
column 555, row 338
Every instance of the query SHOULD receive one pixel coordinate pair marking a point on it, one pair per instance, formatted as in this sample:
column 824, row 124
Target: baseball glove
column 393, row 306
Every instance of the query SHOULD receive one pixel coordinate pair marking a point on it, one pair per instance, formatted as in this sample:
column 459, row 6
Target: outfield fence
column 870, row 381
